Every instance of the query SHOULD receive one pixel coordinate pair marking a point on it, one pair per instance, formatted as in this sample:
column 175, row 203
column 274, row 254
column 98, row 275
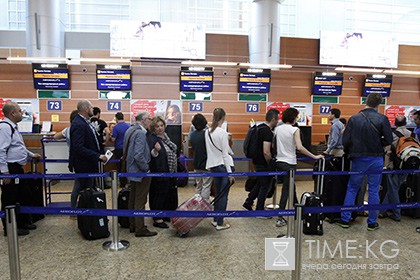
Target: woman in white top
column 288, row 140
column 219, row 161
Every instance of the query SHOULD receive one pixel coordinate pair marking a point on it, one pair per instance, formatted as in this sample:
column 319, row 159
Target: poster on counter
column 305, row 111
column 169, row 110
column 398, row 110
column 30, row 112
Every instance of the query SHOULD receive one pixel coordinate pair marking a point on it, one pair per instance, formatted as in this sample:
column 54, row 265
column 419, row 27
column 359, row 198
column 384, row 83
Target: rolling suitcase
column 410, row 192
column 184, row 225
column 34, row 191
column 92, row 227
column 123, row 197
column 332, row 188
column 312, row 222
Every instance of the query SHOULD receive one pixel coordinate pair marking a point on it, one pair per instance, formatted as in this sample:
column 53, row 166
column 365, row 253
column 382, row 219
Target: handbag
column 181, row 168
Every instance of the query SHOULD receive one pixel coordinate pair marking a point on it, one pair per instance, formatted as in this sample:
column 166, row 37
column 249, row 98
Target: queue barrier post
column 298, row 242
column 291, row 202
column 115, row 244
column 12, row 241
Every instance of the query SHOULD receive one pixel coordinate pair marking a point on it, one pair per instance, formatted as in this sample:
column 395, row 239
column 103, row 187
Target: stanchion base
column 272, row 206
column 118, row 246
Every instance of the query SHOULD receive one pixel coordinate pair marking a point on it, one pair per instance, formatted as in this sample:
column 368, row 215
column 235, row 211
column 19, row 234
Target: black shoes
column 247, row 206
column 145, row 233
column 160, row 225
column 372, row 227
column 343, row 224
column 20, row 232
column 391, row 216
column 28, row 226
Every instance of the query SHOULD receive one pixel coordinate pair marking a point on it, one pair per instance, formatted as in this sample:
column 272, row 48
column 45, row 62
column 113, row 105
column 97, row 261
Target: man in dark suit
column 85, row 148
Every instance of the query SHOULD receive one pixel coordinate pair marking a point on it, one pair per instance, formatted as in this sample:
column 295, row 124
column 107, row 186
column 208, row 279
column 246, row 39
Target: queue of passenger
column 146, row 148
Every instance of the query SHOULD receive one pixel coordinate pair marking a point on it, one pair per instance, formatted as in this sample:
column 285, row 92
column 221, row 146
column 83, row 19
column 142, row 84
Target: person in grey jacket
column 137, row 153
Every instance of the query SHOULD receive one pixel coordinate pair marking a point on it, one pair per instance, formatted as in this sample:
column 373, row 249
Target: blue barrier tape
column 2, row 214
column 58, row 176
column 334, row 209
column 153, row 213
column 234, row 214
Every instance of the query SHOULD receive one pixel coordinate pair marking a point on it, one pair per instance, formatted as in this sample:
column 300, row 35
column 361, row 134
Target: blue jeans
column 221, row 183
column 392, row 194
column 261, row 188
column 374, row 164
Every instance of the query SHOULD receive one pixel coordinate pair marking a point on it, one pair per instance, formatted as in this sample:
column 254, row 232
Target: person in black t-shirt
column 99, row 125
column 262, row 161
column 198, row 143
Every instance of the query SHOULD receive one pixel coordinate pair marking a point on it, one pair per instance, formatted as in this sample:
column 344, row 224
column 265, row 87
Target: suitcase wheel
column 182, row 234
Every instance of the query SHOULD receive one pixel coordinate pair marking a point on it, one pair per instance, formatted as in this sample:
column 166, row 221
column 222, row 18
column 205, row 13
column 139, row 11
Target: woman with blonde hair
column 163, row 193
column 219, row 161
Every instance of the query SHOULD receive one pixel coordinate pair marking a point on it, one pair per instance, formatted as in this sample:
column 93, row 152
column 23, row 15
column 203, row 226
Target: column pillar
column 264, row 32
column 45, row 28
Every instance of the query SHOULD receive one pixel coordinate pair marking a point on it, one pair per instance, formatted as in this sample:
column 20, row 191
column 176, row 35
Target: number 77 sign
column 324, row 109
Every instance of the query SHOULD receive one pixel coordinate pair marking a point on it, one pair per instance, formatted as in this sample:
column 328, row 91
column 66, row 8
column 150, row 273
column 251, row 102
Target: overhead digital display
column 254, row 80
column 50, row 76
column 371, row 49
column 196, row 79
column 378, row 83
column 113, row 77
column 327, row 83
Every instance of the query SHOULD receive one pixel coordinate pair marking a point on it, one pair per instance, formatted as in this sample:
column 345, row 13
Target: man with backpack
column 394, row 180
column 261, row 143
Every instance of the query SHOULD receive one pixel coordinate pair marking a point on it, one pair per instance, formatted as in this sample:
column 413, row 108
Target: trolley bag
column 184, row 225
column 34, row 191
column 333, row 188
column 123, row 197
column 410, row 192
column 92, row 227
column 312, row 223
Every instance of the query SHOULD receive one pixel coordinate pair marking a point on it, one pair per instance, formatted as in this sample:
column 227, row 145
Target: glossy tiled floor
column 56, row 250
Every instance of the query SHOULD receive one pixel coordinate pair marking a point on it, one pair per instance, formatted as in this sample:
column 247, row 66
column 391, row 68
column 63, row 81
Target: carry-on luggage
column 184, row 225
column 35, row 191
column 410, row 192
column 123, row 197
column 92, row 227
column 312, row 222
column 332, row 188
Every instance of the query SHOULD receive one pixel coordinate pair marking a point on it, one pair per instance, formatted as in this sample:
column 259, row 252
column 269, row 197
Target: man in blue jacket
column 364, row 139
column 85, row 146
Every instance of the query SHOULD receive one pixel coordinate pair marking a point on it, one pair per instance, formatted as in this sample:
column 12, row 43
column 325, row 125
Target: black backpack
column 251, row 142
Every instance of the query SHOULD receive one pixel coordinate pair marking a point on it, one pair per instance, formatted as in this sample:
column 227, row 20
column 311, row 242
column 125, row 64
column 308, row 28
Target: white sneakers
column 221, row 227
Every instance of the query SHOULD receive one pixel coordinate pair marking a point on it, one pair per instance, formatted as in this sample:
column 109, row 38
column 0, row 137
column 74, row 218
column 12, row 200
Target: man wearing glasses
column 137, row 156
